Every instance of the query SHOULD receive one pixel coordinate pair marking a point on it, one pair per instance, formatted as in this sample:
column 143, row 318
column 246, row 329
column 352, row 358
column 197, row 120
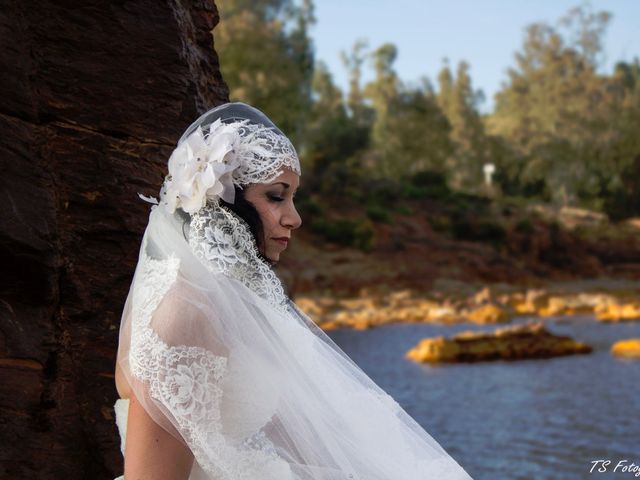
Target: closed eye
column 275, row 198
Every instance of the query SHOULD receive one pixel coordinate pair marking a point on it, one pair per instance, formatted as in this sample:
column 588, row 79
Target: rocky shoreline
column 608, row 300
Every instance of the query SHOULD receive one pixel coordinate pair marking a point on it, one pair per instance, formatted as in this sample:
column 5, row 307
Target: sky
column 485, row 33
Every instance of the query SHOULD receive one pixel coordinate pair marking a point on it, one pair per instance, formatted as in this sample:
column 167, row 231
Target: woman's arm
column 151, row 452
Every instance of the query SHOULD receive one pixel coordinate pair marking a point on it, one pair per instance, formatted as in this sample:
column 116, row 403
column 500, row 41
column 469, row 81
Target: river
column 528, row 419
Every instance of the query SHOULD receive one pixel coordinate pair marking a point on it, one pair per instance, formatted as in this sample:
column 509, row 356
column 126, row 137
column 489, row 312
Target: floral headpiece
column 206, row 166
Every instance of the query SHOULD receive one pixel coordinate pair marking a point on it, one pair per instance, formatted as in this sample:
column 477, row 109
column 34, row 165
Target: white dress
column 121, row 408
column 219, row 356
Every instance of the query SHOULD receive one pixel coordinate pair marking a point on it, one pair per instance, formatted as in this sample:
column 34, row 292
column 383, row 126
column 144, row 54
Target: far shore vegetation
column 563, row 133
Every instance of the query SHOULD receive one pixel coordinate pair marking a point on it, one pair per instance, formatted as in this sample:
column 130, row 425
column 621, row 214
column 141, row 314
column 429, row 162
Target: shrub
column 524, row 226
column 440, row 223
column 378, row 214
column 463, row 204
column 310, row 207
column 380, row 191
column 404, row 210
column 427, row 178
column 426, row 184
column 344, row 231
column 418, row 192
column 464, row 228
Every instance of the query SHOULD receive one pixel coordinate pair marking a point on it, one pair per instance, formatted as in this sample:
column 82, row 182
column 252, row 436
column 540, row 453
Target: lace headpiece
column 233, row 144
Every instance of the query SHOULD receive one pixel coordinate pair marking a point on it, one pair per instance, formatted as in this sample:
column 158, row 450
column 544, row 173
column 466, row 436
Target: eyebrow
column 285, row 185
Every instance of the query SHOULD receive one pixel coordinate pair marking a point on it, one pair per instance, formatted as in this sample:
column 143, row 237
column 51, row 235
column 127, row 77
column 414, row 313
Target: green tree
column 380, row 94
column 353, row 62
column 418, row 132
column 624, row 196
column 409, row 133
column 333, row 137
column 383, row 92
column 266, row 58
column 459, row 102
column 560, row 116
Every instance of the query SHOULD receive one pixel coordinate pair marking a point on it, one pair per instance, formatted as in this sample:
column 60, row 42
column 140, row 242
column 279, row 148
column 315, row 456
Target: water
column 529, row 419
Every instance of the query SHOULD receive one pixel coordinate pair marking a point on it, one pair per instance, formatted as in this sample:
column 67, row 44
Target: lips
column 283, row 240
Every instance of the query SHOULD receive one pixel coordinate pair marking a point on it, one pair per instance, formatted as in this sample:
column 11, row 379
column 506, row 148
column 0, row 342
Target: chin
column 273, row 257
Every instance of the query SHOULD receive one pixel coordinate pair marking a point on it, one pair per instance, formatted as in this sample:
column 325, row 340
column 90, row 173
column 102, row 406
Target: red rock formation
column 509, row 343
column 94, row 95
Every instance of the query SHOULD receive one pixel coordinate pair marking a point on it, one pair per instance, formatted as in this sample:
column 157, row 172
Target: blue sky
column 485, row 33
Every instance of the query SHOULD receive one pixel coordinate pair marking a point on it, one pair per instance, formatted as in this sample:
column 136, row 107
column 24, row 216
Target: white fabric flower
column 201, row 168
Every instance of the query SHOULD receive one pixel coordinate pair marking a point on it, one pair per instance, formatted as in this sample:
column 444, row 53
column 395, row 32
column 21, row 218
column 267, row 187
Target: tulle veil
column 220, row 357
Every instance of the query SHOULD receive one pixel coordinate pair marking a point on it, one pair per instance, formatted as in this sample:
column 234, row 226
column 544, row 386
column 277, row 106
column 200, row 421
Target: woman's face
column 274, row 203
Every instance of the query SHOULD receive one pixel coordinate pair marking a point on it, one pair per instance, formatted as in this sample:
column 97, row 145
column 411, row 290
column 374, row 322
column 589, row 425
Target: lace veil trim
column 263, row 153
column 188, row 380
column 225, row 244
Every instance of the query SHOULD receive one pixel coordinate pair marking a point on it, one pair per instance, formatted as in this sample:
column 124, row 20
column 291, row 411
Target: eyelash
column 275, row 198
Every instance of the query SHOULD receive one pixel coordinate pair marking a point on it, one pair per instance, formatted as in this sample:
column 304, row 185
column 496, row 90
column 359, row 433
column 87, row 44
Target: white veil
column 222, row 359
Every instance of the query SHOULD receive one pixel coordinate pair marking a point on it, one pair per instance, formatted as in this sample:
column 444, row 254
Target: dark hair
column 247, row 212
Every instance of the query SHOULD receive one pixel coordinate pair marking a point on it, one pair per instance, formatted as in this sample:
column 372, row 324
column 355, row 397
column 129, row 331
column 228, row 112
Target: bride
column 220, row 375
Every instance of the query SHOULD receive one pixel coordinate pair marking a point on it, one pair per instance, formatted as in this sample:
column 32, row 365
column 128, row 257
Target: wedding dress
column 218, row 355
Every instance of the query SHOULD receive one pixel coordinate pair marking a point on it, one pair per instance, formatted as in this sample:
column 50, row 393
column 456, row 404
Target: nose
column 291, row 218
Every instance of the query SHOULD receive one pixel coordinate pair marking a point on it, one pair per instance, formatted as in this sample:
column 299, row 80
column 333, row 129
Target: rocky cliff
column 94, row 95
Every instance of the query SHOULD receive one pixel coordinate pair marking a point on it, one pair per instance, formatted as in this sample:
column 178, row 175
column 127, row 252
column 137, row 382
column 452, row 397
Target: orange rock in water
column 509, row 343
column 442, row 314
column 617, row 313
column 627, row 348
column 529, row 302
column 437, row 349
column 489, row 313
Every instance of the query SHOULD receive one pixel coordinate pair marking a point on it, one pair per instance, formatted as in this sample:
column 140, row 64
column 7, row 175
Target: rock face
column 510, row 343
column 627, row 348
column 94, row 97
